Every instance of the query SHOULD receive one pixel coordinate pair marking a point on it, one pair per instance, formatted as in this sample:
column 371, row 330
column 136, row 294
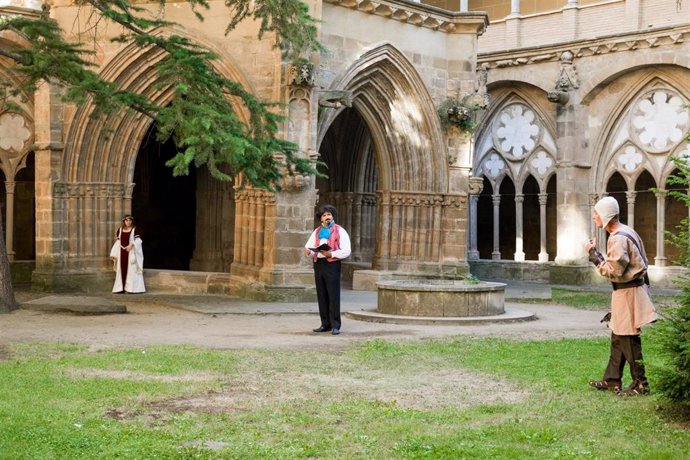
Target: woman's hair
column 128, row 216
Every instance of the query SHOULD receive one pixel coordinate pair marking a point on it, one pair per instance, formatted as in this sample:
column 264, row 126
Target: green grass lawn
column 466, row 398
column 596, row 300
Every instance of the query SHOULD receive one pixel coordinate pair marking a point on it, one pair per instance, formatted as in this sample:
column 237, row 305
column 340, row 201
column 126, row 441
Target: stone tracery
column 659, row 120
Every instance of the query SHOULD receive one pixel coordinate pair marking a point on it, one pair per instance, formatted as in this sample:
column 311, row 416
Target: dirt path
column 150, row 323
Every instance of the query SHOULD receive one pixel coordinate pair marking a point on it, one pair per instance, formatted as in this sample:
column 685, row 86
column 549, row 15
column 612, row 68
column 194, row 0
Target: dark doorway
column 25, row 211
column 348, row 153
column 164, row 207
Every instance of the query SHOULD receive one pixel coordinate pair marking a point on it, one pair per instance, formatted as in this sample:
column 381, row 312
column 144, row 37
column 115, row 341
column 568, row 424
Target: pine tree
column 673, row 333
column 200, row 118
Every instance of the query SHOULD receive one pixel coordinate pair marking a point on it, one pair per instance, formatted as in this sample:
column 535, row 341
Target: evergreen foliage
column 201, row 117
column 673, row 333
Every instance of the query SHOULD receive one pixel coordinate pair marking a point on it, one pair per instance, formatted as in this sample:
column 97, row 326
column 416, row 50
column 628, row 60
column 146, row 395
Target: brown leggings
column 625, row 348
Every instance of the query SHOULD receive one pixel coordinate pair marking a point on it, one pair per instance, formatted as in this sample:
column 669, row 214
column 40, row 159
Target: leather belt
column 630, row 284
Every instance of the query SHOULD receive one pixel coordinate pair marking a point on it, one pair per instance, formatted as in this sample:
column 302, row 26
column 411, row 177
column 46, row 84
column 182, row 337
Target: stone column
column 496, row 254
column 514, row 7
column 9, row 219
column 519, row 226
column 476, row 185
column 543, row 254
column 50, row 194
column 513, row 34
column 280, row 223
column 630, row 196
column 464, row 6
column 660, row 259
column 356, row 232
column 473, row 253
column 573, row 208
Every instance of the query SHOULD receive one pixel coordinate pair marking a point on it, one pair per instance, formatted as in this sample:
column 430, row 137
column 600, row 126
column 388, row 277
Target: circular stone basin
column 440, row 298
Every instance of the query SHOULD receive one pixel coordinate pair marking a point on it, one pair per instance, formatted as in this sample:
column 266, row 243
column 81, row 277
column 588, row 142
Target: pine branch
column 200, row 118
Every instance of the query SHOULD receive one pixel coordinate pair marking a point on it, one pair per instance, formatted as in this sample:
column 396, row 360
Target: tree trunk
column 7, row 302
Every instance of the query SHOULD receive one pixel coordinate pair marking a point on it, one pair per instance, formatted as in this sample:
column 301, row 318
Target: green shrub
column 673, row 333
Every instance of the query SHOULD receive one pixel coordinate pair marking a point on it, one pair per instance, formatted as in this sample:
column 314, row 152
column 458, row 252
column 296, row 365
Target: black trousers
column 327, row 279
column 625, row 348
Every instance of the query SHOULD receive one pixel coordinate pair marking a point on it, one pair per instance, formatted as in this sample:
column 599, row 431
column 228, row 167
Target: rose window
column 516, row 131
column 659, row 120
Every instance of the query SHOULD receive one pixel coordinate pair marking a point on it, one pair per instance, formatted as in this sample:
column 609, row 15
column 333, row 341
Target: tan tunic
column 631, row 308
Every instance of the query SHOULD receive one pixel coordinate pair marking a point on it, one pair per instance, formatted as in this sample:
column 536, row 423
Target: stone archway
column 16, row 165
column 95, row 183
column 400, row 149
column 635, row 148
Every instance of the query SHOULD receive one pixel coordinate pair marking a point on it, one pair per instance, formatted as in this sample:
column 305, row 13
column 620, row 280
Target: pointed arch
column 104, row 149
column 393, row 100
column 613, row 71
column 616, row 148
column 485, row 144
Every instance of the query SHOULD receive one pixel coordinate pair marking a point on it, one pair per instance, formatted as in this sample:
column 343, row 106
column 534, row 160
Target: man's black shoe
column 335, row 331
column 322, row 329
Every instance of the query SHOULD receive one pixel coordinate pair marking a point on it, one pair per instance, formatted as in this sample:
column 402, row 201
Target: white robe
column 135, row 271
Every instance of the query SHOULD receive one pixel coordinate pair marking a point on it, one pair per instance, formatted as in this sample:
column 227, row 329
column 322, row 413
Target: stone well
column 440, row 298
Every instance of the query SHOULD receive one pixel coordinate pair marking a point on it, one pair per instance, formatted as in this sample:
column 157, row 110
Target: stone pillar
column 464, row 6
column 9, row 219
column 543, row 254
column 356, row 230
column 50, row 209
column 630, row 196
column 496, row 199
column 275, row 226
column 473, row 253
column 594, row 232
column 519, row 226
column 514, row 7
column 573, row 208
column 476, row 185
column 660, row 259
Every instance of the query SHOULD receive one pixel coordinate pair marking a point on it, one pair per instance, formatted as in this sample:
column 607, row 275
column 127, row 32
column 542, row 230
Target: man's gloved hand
column 595, row 256
column 606, row 318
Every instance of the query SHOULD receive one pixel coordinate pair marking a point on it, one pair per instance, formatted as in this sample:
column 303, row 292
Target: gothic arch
column 517, row 168
column 611, row 72
column 392, row 99
column 510, row 90
column 542, row 82
column 616, row 140
column 104, row 149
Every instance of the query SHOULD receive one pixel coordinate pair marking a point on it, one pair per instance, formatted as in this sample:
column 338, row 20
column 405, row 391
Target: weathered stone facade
column 593, row 98
column 584, row 100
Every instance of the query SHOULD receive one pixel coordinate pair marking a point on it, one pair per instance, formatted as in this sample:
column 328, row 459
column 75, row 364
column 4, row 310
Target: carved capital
column 476, row 185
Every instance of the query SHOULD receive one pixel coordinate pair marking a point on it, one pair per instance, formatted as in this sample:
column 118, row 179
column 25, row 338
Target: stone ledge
column 75, row 304
column 511, row 315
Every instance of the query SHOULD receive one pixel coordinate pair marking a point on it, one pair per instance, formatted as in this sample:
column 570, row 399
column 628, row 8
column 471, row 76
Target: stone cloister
column 584, row 99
